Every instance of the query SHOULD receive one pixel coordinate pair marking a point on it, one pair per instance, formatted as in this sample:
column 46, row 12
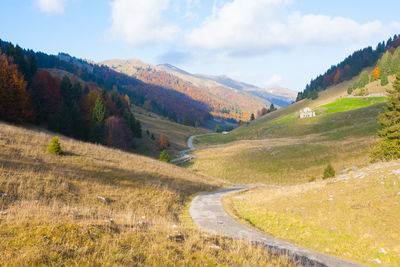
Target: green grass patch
column 347, row 104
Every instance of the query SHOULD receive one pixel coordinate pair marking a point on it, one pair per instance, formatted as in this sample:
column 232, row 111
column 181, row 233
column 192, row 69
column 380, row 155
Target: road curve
column 185, row 156
column 209, row 215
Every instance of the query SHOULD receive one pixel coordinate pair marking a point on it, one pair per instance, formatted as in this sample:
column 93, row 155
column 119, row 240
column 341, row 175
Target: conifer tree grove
column 388, row 147
column 97, row 122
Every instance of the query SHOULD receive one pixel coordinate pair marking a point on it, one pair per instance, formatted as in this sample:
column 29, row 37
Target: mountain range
column 227, row 98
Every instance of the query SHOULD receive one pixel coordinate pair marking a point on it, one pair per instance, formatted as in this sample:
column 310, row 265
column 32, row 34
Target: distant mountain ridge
column 278, row 95
column 228, row 97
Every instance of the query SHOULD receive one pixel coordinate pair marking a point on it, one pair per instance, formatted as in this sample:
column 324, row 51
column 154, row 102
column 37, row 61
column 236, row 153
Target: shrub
column 54, row 146
column 350, row 90
column 329, row 172
column 164, row 156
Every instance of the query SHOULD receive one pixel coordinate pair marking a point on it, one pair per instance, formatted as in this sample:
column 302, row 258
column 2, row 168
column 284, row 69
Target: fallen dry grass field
column 97, row 206
column 355, row 216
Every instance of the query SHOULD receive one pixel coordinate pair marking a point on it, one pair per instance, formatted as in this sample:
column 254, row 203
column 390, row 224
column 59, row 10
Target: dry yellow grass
column 52, row 214
column 177, row 134
column 354, row 217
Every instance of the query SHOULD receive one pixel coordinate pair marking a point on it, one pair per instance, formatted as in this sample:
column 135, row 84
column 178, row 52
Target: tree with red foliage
column 336, row 77
column 117, row 133
column 162, row 141
column 15, row 105
column 46, row 94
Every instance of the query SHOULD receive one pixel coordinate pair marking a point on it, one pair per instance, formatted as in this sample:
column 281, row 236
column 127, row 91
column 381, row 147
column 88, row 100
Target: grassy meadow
column 294, row 150
column 176, row 133
column 97, row 206
column 354, row 217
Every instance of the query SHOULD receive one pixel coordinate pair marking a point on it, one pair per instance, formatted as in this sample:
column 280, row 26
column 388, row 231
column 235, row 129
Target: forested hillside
column 161, row 100
column 348, row 68
column 222, row 101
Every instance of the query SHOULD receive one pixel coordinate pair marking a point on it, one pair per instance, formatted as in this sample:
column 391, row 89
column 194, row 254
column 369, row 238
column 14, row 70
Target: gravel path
column 185, row 156
column 209, row 215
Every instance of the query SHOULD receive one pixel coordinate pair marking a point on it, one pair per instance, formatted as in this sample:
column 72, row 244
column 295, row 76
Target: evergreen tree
column 217, row 128
column 388, row 147
column 97, row 122
column 384, row 79
column 252, row 118
column 272, row 107
column 54, row 146
column 187, row 121
column 329, row 172
column 164, row 156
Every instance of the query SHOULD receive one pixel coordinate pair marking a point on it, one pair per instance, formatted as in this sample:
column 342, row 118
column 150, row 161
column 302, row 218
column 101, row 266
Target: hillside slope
column 280, row 148
column 354, row 216
column 223, row 102
column 100, row 206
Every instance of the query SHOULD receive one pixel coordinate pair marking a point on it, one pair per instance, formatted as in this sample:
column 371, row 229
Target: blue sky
column 264, row 42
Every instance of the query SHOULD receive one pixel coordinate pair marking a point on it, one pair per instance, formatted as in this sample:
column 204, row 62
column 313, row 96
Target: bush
column 164, row 156
column 350, row 90
column 54, row 146
column 329, row 172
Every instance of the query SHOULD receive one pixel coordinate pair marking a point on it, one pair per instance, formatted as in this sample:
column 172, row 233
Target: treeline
column 348, row 68
column 388, row 64
column 166, row 102
column 68, row 106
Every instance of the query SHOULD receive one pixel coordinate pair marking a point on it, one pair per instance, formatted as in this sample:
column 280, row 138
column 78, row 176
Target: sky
column 262, row 42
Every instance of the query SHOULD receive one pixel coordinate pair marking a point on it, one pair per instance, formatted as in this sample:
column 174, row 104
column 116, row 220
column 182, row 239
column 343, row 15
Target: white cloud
column 51, row 6
column 258, row 26
column 140, row 22
column 274, row 80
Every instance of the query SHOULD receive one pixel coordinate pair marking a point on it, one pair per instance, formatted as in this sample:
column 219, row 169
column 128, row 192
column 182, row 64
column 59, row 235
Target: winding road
column 209, row 215
column 185, row 156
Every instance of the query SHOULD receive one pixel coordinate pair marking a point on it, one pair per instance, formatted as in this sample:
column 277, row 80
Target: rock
column 274, row 153
column 3, row 212
column 215, row 247
column 106, row 200
column 3, row 195
column 177, row 238
column 110, row 221
column 377, row 261
column 241, row 198
column 382, row 250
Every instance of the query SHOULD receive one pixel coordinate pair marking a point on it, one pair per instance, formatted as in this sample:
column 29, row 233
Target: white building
column 307, row 113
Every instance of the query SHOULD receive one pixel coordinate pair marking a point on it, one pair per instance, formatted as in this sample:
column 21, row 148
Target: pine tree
column 164, row 156
column 384, row 79
column 217, row 128
column 329, row 172
column 252, row 118
column 388, row 147
column 54, row 146
column 97, row 122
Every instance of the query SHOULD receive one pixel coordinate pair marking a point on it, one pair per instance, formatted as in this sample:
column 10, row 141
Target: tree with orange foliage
column 376, row 73
column 162, row 141
column 336, row 78
column 15, row 103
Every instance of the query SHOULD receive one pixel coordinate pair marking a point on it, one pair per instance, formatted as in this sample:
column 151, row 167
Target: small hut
column 307, row 113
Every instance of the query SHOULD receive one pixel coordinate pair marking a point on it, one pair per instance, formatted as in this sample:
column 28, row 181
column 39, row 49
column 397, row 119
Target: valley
column 138, row 143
